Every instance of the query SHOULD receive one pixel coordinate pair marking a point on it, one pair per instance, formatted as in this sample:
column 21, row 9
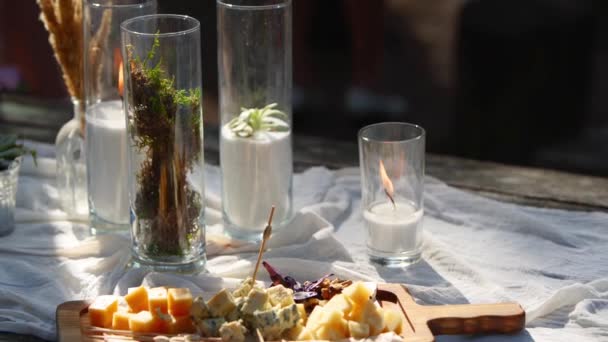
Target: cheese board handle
column 470, row 319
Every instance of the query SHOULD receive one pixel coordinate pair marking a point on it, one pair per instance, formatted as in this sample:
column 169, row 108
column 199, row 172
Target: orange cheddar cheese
column 181, row 325
column 179, row 301
column 145, row 322
column 120, row 320
column 102, row 310
column 142, row 321
column 157, row 300
column 137, row 298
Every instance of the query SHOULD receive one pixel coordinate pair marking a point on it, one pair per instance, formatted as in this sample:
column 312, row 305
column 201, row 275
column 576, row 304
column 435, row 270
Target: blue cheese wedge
column 289, row 316
column 268, row 322
column 233, row 331
column 221, row 304
column 210, row 327
column 257, row 300
column 237, row 313
column 280, row 296
column 244, row 288
column 199, row 309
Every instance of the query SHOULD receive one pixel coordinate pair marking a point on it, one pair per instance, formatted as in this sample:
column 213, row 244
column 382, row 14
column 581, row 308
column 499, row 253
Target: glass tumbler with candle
column 255, row 81
column 391, row 158
column 163, row 82
column 106, row 137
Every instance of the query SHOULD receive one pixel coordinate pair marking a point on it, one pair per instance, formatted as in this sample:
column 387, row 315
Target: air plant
column 11, row 150
column 252, row 120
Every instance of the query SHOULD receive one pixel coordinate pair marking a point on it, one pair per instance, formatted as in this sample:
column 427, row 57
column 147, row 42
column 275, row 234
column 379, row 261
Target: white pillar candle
column 393, row 229
column 107, row 161
column 256, row 174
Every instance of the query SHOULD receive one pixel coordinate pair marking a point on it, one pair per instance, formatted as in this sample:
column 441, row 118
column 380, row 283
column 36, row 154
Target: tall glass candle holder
column 164, row 119
column 255, row 81
column 106, row 137
column 391, row 157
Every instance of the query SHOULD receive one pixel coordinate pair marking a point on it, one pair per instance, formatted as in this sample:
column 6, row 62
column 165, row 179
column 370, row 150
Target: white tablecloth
column 553, row 262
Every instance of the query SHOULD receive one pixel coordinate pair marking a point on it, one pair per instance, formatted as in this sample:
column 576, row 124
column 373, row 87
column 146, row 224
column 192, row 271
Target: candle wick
column 391, row 199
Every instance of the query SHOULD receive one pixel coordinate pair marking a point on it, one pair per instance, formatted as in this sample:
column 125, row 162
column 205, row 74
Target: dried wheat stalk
column 63, row 21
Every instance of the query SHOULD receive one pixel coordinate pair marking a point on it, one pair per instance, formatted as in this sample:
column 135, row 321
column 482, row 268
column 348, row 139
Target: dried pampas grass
column 63, row 20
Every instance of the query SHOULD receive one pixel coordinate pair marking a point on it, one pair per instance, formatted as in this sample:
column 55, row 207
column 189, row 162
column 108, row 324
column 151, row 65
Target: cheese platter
column 416, row 322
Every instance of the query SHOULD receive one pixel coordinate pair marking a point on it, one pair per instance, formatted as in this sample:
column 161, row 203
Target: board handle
column 470, row 319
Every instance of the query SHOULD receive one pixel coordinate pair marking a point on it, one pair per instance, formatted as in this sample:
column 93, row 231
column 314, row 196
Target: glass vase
column 164, row 119
column 71, row 164
column 392, row 161
column 8, row 195
column 255, row 81
column 106, row 137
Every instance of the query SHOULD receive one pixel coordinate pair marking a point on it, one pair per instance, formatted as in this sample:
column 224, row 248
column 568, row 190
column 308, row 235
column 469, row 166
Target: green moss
column 166, row 207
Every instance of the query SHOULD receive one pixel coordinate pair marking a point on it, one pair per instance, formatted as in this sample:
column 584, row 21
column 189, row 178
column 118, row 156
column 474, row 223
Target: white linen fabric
column 476, row 250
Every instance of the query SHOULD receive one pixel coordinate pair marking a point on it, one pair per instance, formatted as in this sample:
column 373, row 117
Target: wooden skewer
column 259, row 334
column 265, row 237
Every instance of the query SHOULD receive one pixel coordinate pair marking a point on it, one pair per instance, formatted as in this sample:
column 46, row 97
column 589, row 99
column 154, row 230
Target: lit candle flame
column 120, row 80
column 389, row 190
column 117, row 65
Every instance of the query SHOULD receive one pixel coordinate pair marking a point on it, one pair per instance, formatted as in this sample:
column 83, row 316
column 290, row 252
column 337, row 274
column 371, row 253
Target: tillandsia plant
column 10, row 150
column 252, row 120
column 160, row 116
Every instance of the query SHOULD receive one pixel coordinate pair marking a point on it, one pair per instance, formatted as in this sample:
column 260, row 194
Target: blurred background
column 522, row 82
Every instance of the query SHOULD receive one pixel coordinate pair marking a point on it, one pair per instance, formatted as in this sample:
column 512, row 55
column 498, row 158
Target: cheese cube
column 179, row 301
column 236, row 314
column 102, row 310
column 120, row 320
column 269, row 323
column 341, row 303
column 157, row 300
column 302, row 312
column 210, row 327
column 233, row 332
column 358, row 330
column 199, row 309
column 289, row 316
column 374, row 317
column 137, row 298
column 314, row 318
column 327, row 333
column 279, row 295
column 144, row 322
column 181, row 325
column 243, row 288
column 358, row 293
column 333, row 320
column 292, row 333
column 305, row 335
column 257, row 299
column 393, row 321
column 221, row 304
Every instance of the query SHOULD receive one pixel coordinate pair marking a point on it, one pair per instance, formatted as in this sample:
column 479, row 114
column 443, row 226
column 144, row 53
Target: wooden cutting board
column 421, row 323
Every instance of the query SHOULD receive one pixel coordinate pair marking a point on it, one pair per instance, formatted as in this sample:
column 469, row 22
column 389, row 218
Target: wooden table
column 528, row 186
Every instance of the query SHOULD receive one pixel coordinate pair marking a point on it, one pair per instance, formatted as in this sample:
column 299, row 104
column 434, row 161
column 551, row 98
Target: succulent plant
column 252, row 120
column 10, row 149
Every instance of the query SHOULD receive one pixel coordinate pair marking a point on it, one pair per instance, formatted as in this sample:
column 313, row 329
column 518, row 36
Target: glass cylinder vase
column 106, row 137
column 392, row 160
column 255, row 81
column 9, row 179
column 164, row 119
column 71, row 164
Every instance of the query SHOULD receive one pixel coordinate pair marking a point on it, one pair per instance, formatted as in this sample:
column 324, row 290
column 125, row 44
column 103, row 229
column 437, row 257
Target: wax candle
column 393, row 229
column 107, row 162
column 256, row 174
